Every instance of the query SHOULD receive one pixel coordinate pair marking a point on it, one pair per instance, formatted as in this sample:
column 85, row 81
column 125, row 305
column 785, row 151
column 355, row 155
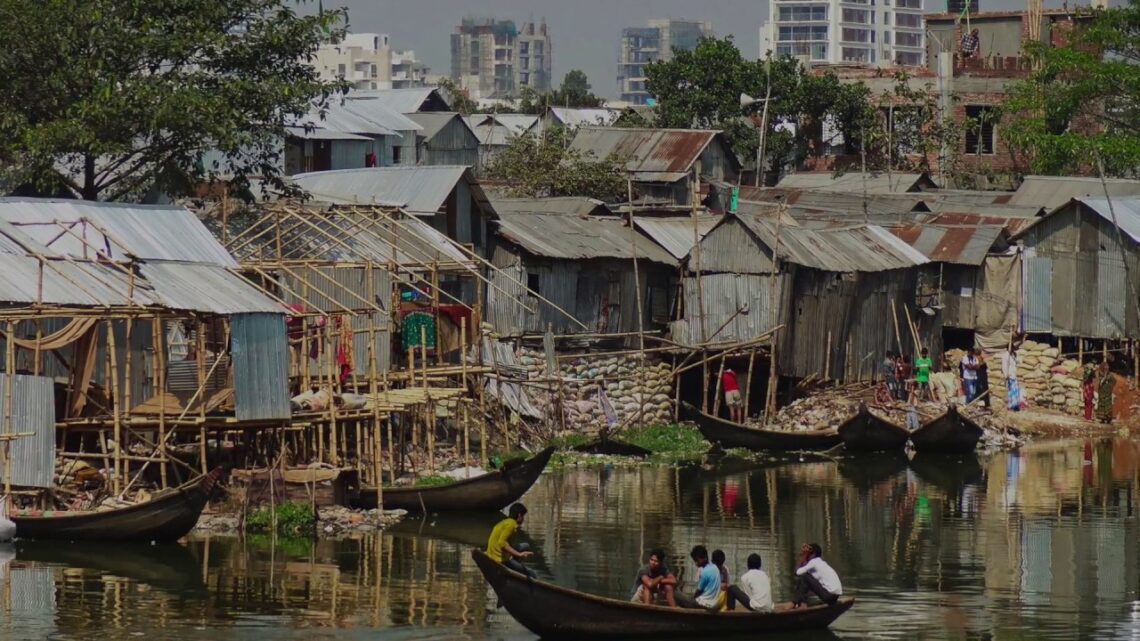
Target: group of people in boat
column 656, row 584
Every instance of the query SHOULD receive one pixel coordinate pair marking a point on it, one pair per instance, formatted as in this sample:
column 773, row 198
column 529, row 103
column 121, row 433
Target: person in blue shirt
column 708, row 582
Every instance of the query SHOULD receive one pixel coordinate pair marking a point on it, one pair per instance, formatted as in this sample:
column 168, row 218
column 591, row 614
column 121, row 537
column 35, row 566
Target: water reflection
column 1037, row 544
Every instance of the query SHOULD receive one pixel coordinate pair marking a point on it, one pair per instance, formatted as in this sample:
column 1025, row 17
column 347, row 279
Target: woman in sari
column 1105, row 385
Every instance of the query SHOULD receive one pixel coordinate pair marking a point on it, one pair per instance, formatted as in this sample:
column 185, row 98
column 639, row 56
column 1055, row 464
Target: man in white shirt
column 815, row 576
column 754, row 590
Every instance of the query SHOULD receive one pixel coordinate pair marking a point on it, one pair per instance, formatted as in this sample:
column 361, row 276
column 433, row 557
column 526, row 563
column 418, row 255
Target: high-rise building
column 848, row 31
column 493, row 59
column 642, row 45
column 368, row 62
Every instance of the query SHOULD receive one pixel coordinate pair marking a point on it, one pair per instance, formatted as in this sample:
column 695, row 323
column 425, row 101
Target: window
column 373, row 71
column 856, row 54
column 538, row 48
column 980, row 129
column 908, row 20
column 814, row 51
column 904, row 39
column 908, row 4
column 858, row 16
column 857, row 35
column 886, row 37
column 396, row 153
column 474, row 66
column 524, row 48
column 797, row 33
column 908, row 59
column 340, row 70
column 532, row 282
column 803, row 14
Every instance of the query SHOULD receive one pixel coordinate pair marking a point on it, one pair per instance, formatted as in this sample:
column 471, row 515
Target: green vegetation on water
column 292, row 518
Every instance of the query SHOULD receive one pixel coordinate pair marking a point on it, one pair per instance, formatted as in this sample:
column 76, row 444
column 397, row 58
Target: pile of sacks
column 1047, row 379
column 826, row 410
column 631, row 385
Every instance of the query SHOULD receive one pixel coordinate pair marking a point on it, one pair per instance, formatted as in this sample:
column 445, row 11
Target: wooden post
column 200, row 349
column 748, row 384
column 773, row 380
column 373, row 389
column 127, row 371
column 827, row 359
column 676, row 392
column 895, row 318
column 704, row 381
column 116, row 405
column 719, row 378
column 1081, row 351
column 435, row 305
column 429, row 412
column 38, row 362
column 462, row 399
column 330, row 373
column 9, row 398
column 158, row 341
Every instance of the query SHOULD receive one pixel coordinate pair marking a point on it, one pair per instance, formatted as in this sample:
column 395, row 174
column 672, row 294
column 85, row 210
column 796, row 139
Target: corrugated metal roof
column 320, row 133
column 877, row 182
column 827, row 200
column 147, row 232
column 420, row 190
column 1011, row 225
column 339, row 119
column 999, row 210
column 1127, row 211
column 585, row 117
column 860, row 248
column 403, row 101
column 571, row 237
column 572, row 205
column 652, row 155
column 1051, row 192
column 205, row 288
column 375, row 111
column 967, row 197
column 517, row 124
column 84, row 284
column 431, row 122
column 956, row 245
column 675, row 234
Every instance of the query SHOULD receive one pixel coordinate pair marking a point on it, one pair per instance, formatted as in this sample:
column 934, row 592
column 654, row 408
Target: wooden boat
column 168, row 516
column 948, row 433
column 865, row 432
column 492, row 491
column 730, row 434
column 554, row 612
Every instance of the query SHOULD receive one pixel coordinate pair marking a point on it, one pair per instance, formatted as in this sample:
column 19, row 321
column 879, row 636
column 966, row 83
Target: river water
column 1038, row 544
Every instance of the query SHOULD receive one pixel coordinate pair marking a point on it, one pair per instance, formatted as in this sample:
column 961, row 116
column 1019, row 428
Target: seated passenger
column 655, row 583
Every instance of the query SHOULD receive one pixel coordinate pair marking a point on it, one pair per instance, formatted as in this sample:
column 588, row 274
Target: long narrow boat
column 553, row 612
column 492, row 491
column 948, row 433
column 865, row 432
column 730, row 434
column 168, row 516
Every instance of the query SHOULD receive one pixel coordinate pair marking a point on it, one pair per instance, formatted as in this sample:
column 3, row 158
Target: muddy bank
column 330, row 521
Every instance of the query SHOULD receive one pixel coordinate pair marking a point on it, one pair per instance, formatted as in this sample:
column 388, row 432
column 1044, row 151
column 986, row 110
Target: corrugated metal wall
column 1110, row 317
column 454, row 144
column 327, row 283
column 1037, row 294
column 732, row 248
column 33, row 410
column 349, row 154
column 723, row 295
column 261, row 366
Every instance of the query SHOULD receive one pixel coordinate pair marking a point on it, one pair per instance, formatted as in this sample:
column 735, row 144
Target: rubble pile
column 821, row 411
column 331, row 521
column 631, row 385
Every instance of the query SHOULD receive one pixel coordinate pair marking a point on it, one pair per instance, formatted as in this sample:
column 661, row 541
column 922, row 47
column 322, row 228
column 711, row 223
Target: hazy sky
column 584, row 33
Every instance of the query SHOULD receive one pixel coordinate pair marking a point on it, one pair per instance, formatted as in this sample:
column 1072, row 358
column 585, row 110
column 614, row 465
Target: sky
column 584, row 33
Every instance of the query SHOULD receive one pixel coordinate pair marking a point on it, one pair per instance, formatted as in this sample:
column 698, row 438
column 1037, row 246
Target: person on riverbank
column 815, row 576
column 732, row 397
column 983, row 379
column 499, row 544
column 1088, row 389
column 970, row 374
column 903, row 371
column 887, row 372
column 754, row 591
column 655, row 583
column 707, row 594
column 1105, row 386
column 922, row 367
column 1009, row 372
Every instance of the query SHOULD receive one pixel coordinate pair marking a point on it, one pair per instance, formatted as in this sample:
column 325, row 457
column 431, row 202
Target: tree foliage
column 1082, row 102
column 701, row 88
column 541, row 166
column 114, row 97
column 574, row 93
column 459, row 99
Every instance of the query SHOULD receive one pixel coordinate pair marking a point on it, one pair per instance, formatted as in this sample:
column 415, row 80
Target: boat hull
column 950, row 433
column 866, row 432
column 730, row 434
column 488, row 492
column 165, row 518
column 553, row 612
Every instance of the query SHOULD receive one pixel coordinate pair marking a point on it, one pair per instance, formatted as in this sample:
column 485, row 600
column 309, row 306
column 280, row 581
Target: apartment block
column 493, row 58
column 656, row 41
column 880, row 33
column 368, row 62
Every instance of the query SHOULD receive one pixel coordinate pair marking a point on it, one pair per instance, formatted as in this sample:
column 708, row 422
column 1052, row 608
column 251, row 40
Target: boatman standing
column 732, row 396
column 815, row 576
column 499, row 544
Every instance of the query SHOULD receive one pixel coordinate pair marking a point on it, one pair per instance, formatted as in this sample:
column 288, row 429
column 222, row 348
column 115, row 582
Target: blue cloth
column 971, row 389
column 708, row 582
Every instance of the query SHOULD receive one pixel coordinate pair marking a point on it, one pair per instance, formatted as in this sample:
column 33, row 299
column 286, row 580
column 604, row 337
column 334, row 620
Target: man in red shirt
column 732, row 396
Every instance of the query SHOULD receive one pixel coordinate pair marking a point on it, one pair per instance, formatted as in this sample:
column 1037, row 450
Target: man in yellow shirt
column 499, row 544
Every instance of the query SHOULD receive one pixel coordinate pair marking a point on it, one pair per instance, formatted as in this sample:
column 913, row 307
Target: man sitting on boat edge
column 815, row 576
column 499, row 544
column 707, row 595
column 754, row 591
column 655, row 583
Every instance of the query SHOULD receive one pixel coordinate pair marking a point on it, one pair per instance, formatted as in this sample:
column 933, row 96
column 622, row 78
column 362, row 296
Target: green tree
column 575, row 92
column 457, row 97
column 114, row 97
column 541, row 166
column 1082, row 102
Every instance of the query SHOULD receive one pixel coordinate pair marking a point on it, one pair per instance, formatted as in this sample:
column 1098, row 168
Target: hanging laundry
column 411, row 327
column 344, row 349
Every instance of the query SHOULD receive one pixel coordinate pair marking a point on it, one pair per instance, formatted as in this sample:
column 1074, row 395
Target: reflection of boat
column 168, row 516
column 866, row 432
column 729, row 434
column 872, row 468
column 612, row 447
column 465, row 528
column 554, row 612
column 491, row 491
column 170, row 567
column 947, row 473
column 948, row 433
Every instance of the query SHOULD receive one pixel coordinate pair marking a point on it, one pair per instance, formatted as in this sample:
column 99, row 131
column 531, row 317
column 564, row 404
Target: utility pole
column 764, row 120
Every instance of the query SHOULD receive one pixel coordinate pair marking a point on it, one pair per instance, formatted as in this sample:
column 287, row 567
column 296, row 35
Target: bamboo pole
column 330, row 364
column 38, row 362
column 158, row 341
column 827, row 359
column 429, row 411
column 373, row 382
column 773, row 380
column 719, row 379
column 466, row 424
column 116, row 405
column 200, row 357
column 748, row 385
column 9, row 399
column 895, row 318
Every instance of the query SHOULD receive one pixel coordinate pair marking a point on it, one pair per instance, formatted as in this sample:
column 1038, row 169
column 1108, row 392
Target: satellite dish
column 746, row 100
